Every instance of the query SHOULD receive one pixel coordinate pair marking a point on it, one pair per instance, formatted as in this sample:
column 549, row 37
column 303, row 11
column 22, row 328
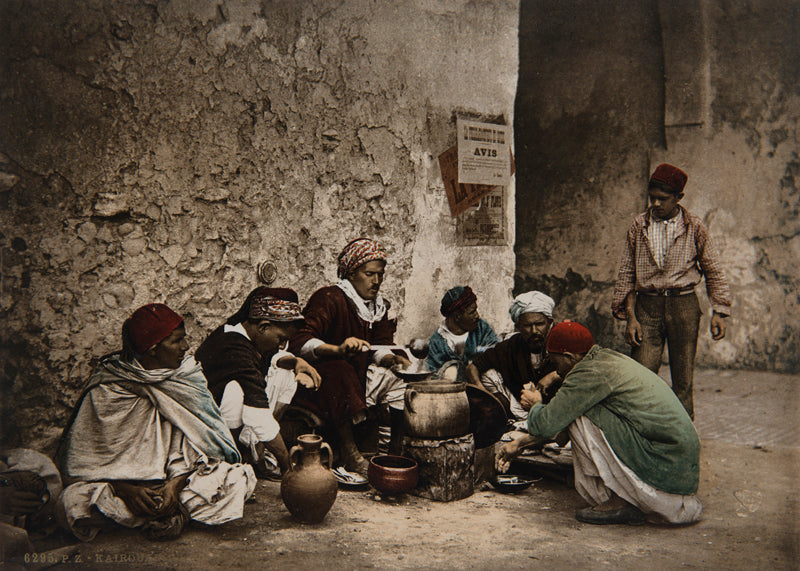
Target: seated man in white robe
column 146, row 446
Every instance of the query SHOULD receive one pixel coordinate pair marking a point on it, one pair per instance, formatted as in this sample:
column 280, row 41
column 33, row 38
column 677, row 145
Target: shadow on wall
column 608, row 90
column 580, row 299
column 589, row 107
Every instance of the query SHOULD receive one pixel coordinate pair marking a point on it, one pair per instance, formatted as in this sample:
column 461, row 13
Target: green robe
column 640, row 416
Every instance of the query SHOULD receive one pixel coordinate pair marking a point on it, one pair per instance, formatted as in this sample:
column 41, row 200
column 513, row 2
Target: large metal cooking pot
column 436, row 410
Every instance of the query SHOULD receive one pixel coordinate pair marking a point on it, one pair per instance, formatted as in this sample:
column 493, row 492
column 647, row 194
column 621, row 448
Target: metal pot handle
column 410, row 394
column 326, row 446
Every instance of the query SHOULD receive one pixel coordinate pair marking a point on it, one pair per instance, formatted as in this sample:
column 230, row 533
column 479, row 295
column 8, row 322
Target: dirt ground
column 749, row 491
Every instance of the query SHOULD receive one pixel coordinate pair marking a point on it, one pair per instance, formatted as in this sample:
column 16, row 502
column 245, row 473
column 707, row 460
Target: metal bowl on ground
column 392, row 475
column 510, row 483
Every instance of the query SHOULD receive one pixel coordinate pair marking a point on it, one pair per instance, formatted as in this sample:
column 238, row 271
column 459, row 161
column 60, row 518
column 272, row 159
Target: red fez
column 569, row 337
column 672, row 176
column 151, row 324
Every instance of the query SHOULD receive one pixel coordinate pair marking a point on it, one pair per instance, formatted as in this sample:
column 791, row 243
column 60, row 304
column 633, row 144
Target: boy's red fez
column 569, row 337
column 672, row 176
column 151, row 324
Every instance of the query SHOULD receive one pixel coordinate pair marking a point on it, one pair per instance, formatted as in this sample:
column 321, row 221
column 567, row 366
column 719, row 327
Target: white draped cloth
column 598, row 472
column 149, row 426
column 492, row 381
column 456, row 343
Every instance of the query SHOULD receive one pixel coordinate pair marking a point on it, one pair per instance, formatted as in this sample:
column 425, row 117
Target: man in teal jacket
column 462, row 335
column 636, row 452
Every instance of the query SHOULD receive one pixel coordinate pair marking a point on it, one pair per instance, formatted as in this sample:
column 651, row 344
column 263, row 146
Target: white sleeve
column 281, row 384
column 308, row 351
column 379, row 355
column 261, row 422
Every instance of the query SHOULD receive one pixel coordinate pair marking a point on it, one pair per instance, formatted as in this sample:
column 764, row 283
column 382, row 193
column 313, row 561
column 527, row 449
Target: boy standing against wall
column 667, row 252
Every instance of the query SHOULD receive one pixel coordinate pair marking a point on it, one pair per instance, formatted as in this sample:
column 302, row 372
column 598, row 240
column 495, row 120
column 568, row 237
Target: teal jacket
column 478, row 341
column 640, row 416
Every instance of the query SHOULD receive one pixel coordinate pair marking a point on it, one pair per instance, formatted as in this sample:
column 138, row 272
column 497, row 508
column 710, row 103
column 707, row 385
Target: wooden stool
column 446, row 471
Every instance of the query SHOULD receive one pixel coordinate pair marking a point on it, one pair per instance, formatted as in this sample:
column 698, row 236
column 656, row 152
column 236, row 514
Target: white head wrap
column 531, row 302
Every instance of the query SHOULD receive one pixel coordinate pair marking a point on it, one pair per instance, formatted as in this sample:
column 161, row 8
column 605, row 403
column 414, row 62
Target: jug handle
column 295, row 449
column 410, row 394
column 326, row 446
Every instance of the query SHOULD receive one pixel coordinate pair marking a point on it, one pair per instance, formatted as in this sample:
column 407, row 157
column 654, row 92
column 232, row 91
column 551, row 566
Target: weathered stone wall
column 607, row 91
column 161, row 150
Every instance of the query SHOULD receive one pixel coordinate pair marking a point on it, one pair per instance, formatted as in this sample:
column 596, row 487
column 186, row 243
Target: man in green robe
column 636, row 452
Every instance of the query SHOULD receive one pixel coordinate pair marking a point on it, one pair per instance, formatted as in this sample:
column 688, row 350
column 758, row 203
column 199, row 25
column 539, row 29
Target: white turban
column 531, row 302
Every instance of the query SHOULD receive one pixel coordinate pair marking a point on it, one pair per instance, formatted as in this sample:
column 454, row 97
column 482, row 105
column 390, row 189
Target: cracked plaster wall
column 160, row 150
column 599, row 106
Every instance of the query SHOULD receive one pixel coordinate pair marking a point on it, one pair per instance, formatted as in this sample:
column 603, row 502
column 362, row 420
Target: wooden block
column 484, row 463
column 446, row 470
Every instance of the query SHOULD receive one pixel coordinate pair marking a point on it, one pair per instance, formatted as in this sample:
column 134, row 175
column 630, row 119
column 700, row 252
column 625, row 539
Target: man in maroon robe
column 344, row 324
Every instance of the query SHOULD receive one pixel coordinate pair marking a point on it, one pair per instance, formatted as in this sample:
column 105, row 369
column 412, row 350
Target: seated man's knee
column 449, row 372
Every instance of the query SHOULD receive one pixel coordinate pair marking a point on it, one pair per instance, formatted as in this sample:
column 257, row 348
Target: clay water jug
column 436, row 410
column 308, row 488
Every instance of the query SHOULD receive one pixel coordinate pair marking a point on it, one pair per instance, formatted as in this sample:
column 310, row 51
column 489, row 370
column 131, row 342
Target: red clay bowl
column 392, row 475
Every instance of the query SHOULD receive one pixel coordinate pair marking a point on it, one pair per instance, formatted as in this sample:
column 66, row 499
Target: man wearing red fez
column 343, row 323
column 147, row 442
column 253, row 377
column 667, row 253
column 462, row 335
column 635, row 451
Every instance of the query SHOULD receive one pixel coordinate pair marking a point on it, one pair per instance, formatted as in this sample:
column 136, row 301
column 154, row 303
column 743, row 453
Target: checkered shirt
column 691, row 256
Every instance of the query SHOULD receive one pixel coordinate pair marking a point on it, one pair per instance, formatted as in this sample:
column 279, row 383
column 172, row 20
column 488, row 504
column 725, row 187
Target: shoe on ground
column 266, row 471
column 626, row 515
column 348, row 478
column 359, row 466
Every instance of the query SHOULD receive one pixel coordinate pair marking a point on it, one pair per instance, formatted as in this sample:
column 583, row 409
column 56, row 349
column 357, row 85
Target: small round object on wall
column 267, row 272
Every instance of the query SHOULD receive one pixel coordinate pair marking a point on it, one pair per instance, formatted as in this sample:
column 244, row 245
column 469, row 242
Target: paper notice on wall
column 485, row 223
column 484, row 153
column 462, row 196
column 459, row 196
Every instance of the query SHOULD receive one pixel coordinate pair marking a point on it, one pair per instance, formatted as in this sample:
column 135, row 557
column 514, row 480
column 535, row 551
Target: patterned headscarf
column 275, row 304
column 456, row 299
column 150, row 325
column 531, row 302
column 357, row 253
column 278, row 294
